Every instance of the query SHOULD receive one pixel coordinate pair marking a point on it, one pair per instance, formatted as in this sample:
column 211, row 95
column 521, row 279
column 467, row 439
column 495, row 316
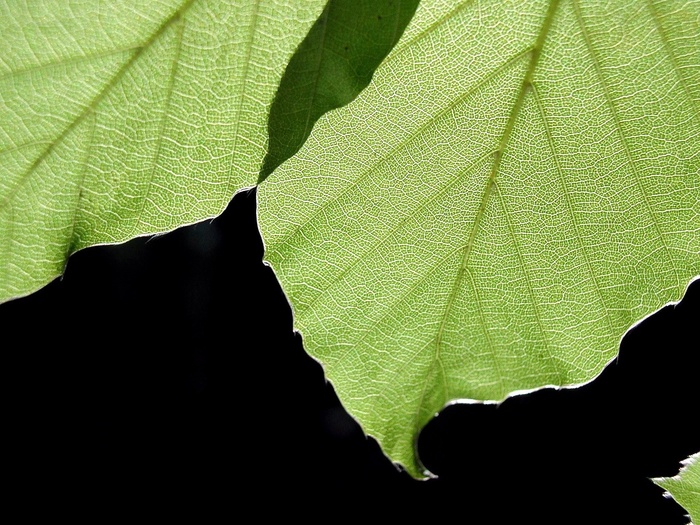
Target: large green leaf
column 122, row 118
column 518, row 185
column 685, row 487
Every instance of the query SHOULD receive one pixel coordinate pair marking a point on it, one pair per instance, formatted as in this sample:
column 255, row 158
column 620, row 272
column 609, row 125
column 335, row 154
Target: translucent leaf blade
column 126, row 118
column 516, row 187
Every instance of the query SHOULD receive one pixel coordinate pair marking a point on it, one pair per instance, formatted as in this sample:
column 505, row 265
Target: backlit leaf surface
column 518, row 185
column 332, row 65
column 121, row 118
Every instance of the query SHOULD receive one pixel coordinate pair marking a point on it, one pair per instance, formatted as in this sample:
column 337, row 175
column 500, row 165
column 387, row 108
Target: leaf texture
column 517, row 186
column 685, row 487
column 124, row 118
column 333, row 64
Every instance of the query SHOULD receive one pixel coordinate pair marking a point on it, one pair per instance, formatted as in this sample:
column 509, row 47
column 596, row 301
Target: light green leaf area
column 332, row 65
column 121, row 118
column 685, row 487
column 518, row 185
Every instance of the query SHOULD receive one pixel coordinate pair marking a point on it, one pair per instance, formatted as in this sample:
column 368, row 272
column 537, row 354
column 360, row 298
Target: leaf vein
column 69, row 60
column 674, row 61
column 569, row 204
column 413, row 136
column 623, row 141
column 72, row 241
column 244, row 82
column 528, row 280
column 93, row 103
column 525, row 86
column 383, row 239
column 398, row 50
column 161, row 124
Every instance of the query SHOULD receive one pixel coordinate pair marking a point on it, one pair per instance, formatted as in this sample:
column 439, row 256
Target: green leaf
column 685, row 487
column 517, row 186
column 333, row 64
column 125, row 118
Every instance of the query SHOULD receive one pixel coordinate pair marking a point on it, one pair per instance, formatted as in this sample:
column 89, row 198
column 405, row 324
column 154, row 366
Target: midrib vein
column 91, row 107
column 525, row 87
column 414, row 135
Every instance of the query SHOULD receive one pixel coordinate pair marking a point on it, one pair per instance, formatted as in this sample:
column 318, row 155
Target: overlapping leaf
column 123, row 118
column 333, row 64
column 517, row 186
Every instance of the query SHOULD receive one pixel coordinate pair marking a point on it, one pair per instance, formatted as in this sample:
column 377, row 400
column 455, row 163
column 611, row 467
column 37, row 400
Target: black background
column 164, row 373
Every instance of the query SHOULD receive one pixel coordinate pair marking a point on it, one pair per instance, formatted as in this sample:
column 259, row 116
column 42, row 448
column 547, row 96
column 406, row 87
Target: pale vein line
column 426, row 31
column 569, row 204
column 88, row 151
column 7, row 246
column 491, row 182
column 528, row 280
column 18, row 147
column 487, row 334
column 395, row 373
column 676, row 68
column 390, row 233
column 415, row 135
column 68, row 61
column 244, row 82
column 93, row 103
column 161, row 125
column 391, row 308
column 424, row 390
column 618, row 128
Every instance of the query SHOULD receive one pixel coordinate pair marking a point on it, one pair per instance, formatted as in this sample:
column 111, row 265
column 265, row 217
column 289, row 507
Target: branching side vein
column 525, row 87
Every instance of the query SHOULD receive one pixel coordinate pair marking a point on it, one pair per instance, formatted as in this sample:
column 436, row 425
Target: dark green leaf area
column 331, row 66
